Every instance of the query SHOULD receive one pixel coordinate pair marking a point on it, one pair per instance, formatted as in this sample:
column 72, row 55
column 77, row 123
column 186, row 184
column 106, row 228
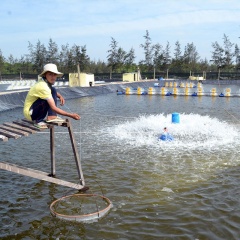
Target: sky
column 93, row 23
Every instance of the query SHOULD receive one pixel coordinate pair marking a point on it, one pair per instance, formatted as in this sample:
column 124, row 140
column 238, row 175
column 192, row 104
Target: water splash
column 202, row 146
column 193, row 132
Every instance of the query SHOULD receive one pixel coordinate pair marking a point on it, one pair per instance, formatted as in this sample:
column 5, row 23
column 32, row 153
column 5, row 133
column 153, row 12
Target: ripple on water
column 186, row 189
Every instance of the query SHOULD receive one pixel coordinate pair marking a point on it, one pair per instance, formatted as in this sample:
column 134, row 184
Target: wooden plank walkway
column 17, row 129
column 37, row 174
column 22, row 128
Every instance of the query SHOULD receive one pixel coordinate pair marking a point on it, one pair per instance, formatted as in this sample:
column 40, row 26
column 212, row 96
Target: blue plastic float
column 120, row 93
column 175, row 117
column 221, row 95
column 166, row 137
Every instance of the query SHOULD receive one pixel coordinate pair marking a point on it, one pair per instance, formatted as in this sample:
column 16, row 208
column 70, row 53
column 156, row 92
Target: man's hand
column 75, row 116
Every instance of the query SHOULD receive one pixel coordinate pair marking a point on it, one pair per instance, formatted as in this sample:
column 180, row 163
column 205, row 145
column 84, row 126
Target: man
column 41, row 100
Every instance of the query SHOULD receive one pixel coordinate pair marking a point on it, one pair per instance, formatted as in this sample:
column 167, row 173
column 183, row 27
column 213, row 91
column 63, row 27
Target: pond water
column 184, row 189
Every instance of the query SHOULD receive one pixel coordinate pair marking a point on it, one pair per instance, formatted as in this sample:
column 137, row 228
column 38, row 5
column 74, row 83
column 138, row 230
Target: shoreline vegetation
column 158, row 59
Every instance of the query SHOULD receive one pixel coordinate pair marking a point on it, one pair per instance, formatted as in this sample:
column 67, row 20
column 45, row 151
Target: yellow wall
column 85, row 80
column 130, row 77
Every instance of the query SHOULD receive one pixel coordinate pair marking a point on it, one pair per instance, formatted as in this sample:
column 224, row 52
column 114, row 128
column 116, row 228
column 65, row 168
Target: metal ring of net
column 81, row 207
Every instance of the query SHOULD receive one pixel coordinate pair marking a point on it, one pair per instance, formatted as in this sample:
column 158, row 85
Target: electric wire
column 232, row 115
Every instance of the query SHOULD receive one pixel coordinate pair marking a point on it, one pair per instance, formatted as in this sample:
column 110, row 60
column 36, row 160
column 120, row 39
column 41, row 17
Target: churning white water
column 194, row 132
column 202, row 145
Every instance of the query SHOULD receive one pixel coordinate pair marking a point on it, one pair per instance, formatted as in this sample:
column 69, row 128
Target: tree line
column 156, row 57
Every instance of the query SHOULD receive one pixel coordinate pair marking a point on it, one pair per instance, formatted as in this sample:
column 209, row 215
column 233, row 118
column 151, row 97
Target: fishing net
column 81, row 207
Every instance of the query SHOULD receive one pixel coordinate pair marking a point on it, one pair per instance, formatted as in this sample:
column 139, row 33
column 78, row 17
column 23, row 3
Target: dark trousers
column 40, row 108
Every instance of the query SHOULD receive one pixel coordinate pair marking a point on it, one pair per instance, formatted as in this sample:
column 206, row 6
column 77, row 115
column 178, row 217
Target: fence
column 145, row 75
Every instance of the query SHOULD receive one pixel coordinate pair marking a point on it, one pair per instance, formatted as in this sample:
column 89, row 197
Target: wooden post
column 52, row 150
column 76, row 155
column 79, row 79
column 219, row 71
column 21, row 128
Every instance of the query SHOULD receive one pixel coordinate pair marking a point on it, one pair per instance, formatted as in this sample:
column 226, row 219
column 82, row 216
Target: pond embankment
column 15, row 99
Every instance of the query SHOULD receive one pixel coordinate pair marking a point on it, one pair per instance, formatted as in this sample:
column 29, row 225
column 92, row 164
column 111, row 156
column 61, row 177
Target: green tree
column 237, row 56
column 63, row 58
column 166, row 56
column 203, row 65
column 217, row 55
column 129, row 61
column 2, row 60
column 24, row 65
column 38, row 56
column 148, row 51
column 228, row 52
column 76, row 53
column 52, row 52
column 79, row 56
column 84, row 59
column 190, row 57
column 158, row 56
column 120, row 59
column 177, row 60
column 112, row 56
column 71, row 62
column 177, row 51
column 10, row 64
column 99, row 67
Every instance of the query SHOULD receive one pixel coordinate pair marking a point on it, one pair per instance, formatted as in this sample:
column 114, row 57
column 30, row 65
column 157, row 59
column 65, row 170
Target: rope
column 105, row 115
column 232, row 115
column 99, row 213
column 225, row 108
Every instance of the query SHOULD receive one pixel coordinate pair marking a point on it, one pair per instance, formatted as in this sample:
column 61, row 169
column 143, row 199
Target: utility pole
column 219, row 67
column 78, row 68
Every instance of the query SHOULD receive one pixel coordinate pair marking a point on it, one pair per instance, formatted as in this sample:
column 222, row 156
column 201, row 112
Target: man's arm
column 60, row 111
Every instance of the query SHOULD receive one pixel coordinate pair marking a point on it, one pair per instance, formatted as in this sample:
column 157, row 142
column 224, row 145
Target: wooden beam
column 29, row 125
column 13, row 130
column 63, row 124
column 38, row 175
column 75, row 152
column 9, row 134
column 52, row 150
column 16, row 126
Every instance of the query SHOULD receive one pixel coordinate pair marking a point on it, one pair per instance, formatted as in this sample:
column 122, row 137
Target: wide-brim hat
column 50, row 67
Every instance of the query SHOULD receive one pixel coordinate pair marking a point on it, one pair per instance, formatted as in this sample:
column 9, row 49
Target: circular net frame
column 81, row 207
